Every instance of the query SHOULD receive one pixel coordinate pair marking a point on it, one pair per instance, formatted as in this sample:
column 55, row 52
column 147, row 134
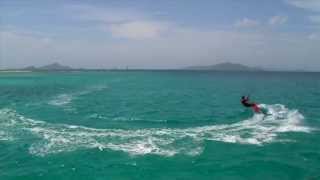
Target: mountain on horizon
column 227, row 66
column 50, row 67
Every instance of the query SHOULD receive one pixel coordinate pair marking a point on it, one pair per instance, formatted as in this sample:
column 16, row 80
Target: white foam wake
column 54, row 138
column 61, row 99
column 66, row 98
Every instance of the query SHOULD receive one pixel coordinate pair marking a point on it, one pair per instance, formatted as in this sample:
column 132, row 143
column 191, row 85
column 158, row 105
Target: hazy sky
column 282, row 34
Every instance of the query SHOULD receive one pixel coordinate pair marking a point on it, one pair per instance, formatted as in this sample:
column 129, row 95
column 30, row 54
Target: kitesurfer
column 246, row 103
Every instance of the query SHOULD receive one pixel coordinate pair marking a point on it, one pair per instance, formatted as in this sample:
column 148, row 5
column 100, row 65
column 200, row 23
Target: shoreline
column 14, row 71
column 132, row 70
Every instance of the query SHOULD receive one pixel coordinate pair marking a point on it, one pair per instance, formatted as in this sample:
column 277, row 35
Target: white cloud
column 313, row 5
column 121, row 23
column 138, row 29
column 21, row 48
column 103, row 15
column 278, row 20
column 315, row 19
column 246, row 22
column 313, row 36
column 310, row 5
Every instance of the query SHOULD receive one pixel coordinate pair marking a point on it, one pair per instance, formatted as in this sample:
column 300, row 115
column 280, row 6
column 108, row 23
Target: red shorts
column 255, row 108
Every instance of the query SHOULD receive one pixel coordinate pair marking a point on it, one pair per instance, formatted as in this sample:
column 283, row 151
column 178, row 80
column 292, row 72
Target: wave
column 61, row 99
column 66, row 98
column 55, row 138
column 126, row 119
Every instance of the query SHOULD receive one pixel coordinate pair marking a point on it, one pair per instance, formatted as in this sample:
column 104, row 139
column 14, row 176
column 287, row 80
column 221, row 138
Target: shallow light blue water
column 159, row 125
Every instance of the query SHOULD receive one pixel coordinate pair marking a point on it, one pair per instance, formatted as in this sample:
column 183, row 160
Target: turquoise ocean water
column 158, row 125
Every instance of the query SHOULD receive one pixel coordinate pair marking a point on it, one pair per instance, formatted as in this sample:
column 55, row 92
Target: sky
column 166, row 34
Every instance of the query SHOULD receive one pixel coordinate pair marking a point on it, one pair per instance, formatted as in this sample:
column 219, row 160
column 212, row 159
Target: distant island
column 50, row 67
column 225, row 67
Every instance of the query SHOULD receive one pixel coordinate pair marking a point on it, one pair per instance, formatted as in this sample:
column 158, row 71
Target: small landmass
column 50, row 67
column 225, row 67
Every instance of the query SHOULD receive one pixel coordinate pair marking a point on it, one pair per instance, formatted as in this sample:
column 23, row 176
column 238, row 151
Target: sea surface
column 137, row 125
